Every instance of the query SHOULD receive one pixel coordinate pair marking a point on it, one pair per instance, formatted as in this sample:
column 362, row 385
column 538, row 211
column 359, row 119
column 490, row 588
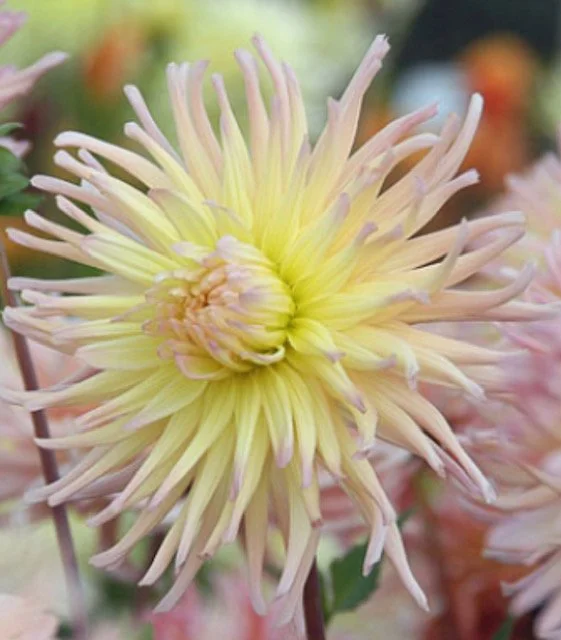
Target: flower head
column 521, row 451
column 523, row 459
column 536, row 192
column 261, row 319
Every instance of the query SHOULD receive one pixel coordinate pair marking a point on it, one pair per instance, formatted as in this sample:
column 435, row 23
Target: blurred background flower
column 520, row 446
column 117, row 42
column 24, row 619
column 19, row 460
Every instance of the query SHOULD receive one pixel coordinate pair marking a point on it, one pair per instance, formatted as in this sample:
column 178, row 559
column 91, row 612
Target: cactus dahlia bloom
column 523, row 457
column 261, row 320
column 523, row 453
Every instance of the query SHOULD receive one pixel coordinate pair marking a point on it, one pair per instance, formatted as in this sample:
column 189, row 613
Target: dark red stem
column 49, row 467
column 449, row 625
column 313, row 611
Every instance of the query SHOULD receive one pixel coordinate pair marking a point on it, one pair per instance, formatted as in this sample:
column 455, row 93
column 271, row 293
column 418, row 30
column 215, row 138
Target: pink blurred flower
column 227, row 614
column 467, row 602
column 538, row 194
column 23, row 619
column 523, row 454
column 19, row 458
column 15, row 82
column 524, row 459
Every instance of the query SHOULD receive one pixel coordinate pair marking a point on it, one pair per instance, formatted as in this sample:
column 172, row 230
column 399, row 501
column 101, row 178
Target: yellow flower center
column 228, row 304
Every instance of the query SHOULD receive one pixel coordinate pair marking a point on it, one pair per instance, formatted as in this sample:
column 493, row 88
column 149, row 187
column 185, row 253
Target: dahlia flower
column 261, row 320
column 522, row 453
column 537, row 193
column 523, row 457
column 17, row 82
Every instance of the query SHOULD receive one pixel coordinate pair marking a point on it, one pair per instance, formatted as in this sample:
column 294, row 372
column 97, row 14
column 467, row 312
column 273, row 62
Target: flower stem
column 449, row 625
column 49, row 467
column 313, row 612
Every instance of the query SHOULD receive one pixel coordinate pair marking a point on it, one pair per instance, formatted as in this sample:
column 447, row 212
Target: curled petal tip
column 284, row 455
column 258, row 603
column 477, row 100
column 489, row 493
column 335, row 356
column 422, row 601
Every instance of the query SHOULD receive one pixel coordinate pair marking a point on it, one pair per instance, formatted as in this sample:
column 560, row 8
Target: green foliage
column 14, row 197
column 203, row 580
column 12, row 183
column 9, row 163
column 117, row 597
column 18, row 202
column 65, row 631
column 505, row 630
column 146, row 633
column 346, row 588
column 8, row 127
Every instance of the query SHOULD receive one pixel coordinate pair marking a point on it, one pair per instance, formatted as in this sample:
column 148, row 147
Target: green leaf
column 18, row 202
column 9, row 163
column 65, row 631
column 505, row 630
column 203, row 580
column 12, row 184
column 116, row 596
column 9, row 127
column 349, row 587
column 146, row 632
column 345, row 588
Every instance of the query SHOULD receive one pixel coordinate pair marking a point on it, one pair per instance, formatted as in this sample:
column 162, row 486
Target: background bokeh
column 507, row 50
column 443, row 50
